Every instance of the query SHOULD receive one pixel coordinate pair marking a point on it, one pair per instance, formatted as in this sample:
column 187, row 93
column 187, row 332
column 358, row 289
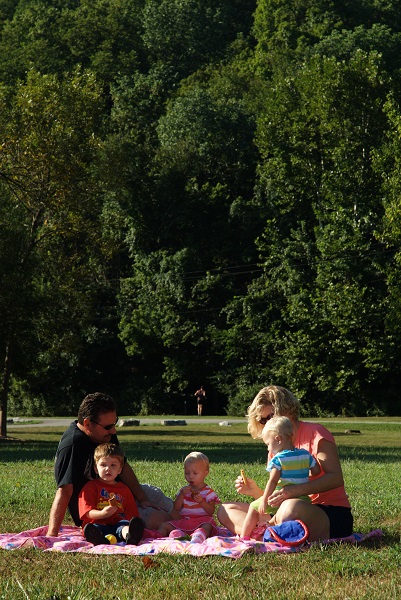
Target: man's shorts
column 156, row 496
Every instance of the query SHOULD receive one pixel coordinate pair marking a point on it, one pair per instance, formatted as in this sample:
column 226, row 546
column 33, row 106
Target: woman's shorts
column 341, row 520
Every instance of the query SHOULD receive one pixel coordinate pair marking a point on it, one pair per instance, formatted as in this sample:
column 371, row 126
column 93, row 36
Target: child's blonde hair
column 280, row 425
column 105, row 450
column 197, row 456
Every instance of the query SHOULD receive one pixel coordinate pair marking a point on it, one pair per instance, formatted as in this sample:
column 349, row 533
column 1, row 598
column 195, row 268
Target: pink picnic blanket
column 70, row 539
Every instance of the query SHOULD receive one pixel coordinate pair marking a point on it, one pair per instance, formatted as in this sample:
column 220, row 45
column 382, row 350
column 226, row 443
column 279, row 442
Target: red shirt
column 95, row 495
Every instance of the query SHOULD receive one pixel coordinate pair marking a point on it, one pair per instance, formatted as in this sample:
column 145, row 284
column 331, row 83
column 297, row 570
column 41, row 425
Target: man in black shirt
column 96, row 424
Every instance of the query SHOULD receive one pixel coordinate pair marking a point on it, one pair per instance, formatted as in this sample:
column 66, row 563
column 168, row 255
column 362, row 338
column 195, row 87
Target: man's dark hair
column 94, row 405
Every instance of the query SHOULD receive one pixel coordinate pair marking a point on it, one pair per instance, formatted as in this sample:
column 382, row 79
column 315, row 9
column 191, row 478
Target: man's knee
column 153, row 518
column 156, row 497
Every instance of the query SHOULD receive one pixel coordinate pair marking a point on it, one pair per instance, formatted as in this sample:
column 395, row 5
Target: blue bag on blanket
column 289, row 533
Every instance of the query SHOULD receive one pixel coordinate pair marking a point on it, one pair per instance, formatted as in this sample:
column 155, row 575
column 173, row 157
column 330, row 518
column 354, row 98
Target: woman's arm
column 315, row 471
column 327, row 457
column 128, row 477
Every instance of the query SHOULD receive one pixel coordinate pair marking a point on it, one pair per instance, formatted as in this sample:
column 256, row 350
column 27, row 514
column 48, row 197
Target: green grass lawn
column 371, row 464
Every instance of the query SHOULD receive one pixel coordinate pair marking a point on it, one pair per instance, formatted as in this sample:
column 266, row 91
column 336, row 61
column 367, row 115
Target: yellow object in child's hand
column 244, row 479
column 112, row 499
column 112, row 538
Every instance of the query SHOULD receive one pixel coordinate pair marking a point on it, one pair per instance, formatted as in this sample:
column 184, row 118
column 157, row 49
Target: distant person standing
column 200, row 396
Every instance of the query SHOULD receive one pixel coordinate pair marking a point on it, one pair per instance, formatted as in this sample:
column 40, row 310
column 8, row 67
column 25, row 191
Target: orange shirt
column 308, row 437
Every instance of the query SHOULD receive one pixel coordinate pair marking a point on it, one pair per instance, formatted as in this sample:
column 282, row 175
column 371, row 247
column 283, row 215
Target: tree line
column 200, row 192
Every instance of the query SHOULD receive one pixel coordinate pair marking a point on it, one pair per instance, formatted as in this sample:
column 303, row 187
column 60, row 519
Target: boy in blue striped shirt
column 287, row 466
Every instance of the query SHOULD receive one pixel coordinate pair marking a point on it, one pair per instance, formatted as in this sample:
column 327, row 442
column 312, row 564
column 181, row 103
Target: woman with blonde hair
column 329, row 513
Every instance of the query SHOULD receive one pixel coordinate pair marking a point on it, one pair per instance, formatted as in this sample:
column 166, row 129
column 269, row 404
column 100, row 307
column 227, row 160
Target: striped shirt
column 294, row 466
column 190, row 508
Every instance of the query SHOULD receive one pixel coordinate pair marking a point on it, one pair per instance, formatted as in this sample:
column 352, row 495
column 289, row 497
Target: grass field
column 371, row 465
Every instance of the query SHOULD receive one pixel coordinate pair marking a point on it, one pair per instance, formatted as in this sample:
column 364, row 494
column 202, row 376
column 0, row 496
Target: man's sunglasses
column 106, row 427
column 264, row 420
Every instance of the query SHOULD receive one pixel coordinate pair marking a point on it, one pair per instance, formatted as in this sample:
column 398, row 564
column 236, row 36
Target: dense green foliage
column 200, row 192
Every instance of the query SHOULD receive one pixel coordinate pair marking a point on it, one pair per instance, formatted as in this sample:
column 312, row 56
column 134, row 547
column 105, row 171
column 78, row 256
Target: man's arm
column 58, row 509
column 156, row 516
column 128, row 477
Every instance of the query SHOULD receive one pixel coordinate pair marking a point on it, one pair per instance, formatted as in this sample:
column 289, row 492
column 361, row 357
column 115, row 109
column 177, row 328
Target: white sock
column 198, row 536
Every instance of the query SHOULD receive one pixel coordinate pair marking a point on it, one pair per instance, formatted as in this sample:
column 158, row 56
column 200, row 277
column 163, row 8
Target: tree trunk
column 4, row 390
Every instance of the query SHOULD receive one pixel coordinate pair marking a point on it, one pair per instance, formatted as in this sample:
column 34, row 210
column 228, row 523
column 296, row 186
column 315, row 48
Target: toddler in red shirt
column 106, row 505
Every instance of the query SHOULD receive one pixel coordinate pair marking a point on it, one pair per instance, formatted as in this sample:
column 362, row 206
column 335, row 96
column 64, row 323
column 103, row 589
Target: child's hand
column 108, row 511
column 197, row 497
column 185, row 491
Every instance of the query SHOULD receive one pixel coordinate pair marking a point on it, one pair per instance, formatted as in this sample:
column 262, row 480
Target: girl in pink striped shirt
column 195, row 502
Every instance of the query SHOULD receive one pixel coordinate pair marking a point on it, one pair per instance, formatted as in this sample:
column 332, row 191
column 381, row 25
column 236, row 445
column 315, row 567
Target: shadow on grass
column 370, row 454
column 165, row 432
column 171, row 445
column 27, row 451
column 388, row 539
column 147, row 432
column 217, row 453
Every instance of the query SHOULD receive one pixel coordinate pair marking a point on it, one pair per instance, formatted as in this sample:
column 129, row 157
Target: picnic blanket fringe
column 70, row 539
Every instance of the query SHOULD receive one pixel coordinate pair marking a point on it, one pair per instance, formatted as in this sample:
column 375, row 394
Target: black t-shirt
column 74, row 464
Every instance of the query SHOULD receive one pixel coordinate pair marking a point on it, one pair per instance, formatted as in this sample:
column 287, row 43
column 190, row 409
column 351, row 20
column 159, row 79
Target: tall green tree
column 323, row 288
column 49, row 142
column 204, row 166
column 52, row 37
column 387, row 161
column 190, row 34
